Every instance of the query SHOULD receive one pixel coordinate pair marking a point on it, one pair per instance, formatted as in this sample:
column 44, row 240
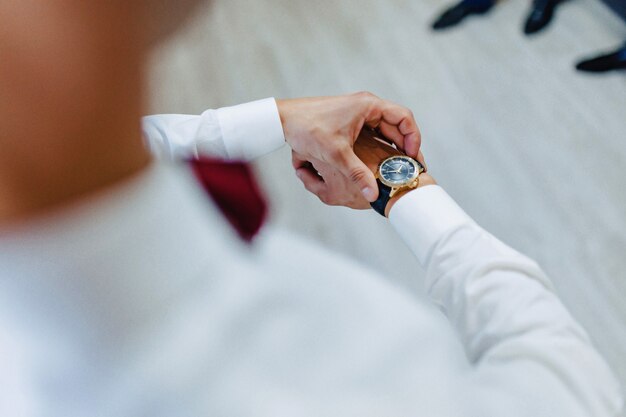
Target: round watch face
column 397, row 171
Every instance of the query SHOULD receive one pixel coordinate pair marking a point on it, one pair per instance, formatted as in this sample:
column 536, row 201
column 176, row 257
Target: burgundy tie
column 234, row 191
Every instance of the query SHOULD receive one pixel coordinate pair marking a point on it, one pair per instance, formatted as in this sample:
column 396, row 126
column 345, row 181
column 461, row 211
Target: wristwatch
column 395, row 174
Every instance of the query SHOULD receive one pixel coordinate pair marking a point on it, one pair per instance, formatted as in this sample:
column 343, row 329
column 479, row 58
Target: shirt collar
column 122, row 254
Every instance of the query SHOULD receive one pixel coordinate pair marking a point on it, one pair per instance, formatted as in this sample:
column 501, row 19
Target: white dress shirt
column 144, row 302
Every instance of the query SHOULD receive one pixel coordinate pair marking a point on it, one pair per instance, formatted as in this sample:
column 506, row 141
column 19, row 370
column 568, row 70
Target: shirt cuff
column 425, row 215
column 252, row 129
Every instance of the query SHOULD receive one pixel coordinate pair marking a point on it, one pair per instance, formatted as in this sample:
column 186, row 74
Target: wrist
column 424, row 180
column 280, row 106
column 285, row 109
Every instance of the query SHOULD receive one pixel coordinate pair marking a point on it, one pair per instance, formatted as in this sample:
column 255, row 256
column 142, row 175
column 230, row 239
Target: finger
column 403, row 119
column 312, row 182
column 345, row 160
column 393, row 133
column 405, row 122
column 298, row 161
column 412, row 143
column 421, row 160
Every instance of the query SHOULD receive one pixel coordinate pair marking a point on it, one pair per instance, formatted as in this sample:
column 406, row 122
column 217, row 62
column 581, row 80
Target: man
column 126, row 292
column 539, row 16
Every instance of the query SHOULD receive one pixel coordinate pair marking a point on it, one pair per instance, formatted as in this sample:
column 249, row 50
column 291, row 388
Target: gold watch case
column 409, row 183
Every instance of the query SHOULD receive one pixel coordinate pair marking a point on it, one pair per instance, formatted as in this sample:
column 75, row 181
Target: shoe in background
column 540, row 15
column 457, row 13
column 615, row 60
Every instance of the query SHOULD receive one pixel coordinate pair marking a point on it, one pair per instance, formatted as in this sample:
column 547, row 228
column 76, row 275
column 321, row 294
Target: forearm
column 242, row 132
column 516, row 332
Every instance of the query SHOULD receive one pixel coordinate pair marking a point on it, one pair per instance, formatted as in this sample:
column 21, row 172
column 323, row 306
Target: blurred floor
column 534, row 151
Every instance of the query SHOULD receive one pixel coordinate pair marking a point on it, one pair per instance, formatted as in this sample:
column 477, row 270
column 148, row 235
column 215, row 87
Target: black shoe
column 454, row 15
column 540, row 15
column 603, row 63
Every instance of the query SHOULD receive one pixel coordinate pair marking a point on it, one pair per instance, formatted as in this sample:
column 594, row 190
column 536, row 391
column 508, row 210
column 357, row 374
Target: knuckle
column 324, row 197
column 408, row 113
column 330, row 200
column 364, row 94
column 308, row 185
column 356, row 175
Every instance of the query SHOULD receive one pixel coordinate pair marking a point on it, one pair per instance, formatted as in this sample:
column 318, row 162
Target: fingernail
column 368, row 193
column 299, row 173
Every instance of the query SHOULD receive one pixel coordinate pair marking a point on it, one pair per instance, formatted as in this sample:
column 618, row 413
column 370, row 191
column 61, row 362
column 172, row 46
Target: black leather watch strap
column 383, row 198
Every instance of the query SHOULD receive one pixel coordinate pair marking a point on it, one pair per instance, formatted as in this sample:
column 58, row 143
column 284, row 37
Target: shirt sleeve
column 522, row 342
column 242, row 132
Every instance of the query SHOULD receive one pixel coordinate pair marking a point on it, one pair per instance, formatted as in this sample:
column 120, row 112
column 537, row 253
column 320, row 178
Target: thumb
column 360, row 175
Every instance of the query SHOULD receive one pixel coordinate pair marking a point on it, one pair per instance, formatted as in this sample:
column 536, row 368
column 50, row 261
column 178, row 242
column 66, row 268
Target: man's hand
column 333, row 188
column 328, row 184
column 323, row 131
